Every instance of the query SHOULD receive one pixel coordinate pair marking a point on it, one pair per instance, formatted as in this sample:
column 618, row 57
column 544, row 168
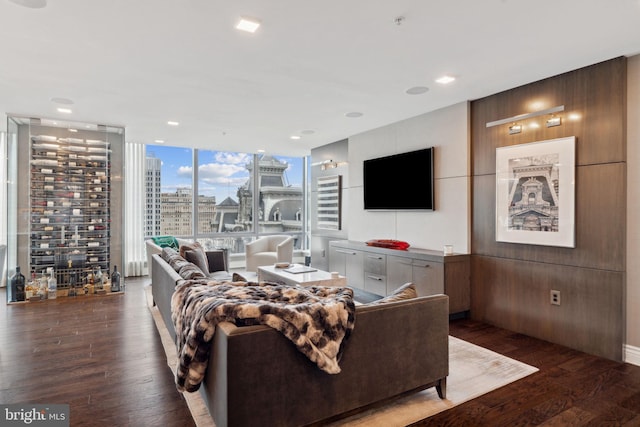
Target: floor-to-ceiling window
column 237, row 196
column 169, row 191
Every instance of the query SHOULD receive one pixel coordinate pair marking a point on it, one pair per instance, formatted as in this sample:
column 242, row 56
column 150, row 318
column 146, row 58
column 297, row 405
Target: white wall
column 633, row 207
column 448, row 131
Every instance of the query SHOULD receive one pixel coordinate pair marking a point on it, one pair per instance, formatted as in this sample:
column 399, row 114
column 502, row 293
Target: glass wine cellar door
column 65, row 206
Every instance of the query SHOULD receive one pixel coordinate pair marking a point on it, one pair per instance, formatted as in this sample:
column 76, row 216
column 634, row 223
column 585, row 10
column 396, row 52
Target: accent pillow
column 196, row 247
column 199, row 258
column 166, row 242
column 238, row 278
column 173, row 258
column 191, row 271
column 406, row 291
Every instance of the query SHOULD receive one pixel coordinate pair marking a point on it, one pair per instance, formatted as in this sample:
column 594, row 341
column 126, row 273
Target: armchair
column 268, row 250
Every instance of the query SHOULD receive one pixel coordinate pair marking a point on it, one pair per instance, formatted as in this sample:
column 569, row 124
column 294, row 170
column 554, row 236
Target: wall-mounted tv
column 399, row 182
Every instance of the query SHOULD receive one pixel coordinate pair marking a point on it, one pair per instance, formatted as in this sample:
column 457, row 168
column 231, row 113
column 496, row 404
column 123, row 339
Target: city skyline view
column 220, row 173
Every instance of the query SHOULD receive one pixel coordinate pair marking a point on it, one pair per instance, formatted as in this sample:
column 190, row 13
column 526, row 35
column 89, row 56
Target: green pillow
column 166, row 242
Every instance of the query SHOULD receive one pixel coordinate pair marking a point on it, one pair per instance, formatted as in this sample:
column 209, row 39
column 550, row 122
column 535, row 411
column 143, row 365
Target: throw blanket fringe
column 318, row 320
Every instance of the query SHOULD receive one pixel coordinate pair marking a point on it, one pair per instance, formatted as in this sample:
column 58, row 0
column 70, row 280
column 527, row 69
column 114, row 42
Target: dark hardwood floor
column 571, row 388
column 103, row 357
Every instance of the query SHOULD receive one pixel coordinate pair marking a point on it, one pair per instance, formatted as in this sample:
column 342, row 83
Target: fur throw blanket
column 318, row 320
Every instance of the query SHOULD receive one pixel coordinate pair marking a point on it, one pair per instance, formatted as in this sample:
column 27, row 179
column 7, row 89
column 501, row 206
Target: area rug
column 473, row 371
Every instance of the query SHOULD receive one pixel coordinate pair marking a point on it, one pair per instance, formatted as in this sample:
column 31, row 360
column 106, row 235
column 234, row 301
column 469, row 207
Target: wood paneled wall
column 511, row 282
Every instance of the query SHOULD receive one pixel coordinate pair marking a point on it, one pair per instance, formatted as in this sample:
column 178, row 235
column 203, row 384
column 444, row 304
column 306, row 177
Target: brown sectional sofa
column 256, row 376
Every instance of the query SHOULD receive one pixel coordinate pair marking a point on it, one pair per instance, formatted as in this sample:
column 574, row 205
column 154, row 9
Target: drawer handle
column 379, row 279
column 345, row 252
column 421, row 265
column 374, row 257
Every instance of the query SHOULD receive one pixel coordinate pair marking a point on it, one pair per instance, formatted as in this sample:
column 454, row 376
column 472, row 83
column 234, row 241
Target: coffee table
column 271, row 273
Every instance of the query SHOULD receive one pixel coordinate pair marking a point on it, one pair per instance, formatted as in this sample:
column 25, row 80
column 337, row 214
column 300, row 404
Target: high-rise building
column 176, row 213
column 152, row 195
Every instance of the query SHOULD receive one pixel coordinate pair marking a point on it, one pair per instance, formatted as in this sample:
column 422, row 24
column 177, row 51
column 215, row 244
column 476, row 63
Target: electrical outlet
column 555, row 297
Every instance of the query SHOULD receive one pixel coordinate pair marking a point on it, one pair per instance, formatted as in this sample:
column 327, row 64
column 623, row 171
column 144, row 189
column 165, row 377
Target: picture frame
column 535, row 193
column 329, row 205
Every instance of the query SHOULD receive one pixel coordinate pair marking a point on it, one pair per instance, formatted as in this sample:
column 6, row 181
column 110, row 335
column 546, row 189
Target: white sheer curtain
column 135, row 210
column 3, row 203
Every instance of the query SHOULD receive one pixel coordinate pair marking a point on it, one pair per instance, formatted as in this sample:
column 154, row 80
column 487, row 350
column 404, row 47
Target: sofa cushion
column 406, row 291
column 199, row 258
column 166, row 242
column 220, row 276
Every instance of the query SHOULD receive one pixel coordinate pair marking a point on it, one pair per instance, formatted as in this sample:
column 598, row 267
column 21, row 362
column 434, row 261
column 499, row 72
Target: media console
column 381, row 271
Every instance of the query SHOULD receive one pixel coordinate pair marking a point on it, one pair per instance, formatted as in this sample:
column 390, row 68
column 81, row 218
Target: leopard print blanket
column 318, row 320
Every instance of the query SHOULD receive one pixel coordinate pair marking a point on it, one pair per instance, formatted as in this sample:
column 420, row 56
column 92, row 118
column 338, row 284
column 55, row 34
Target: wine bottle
column 52, row 285
column 98, row 279
column 115, row 280
column 72, row 285
column 17, row 286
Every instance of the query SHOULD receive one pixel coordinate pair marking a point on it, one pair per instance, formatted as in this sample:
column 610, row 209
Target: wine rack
column 70, row 189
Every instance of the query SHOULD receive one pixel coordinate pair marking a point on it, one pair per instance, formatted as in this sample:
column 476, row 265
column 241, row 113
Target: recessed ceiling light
column 308, row 132
column 354, row 114
column 249, row 25
column 172, row 123
column 64, row 110
column 159, row 141
column 64, row 101
column 444, row 80
column 261, row 151
column 417, row 90
column 33, row 4
column 295, row 137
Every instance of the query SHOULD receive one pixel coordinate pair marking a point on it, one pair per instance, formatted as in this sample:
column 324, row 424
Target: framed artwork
column 535, row 193
column 329, row 202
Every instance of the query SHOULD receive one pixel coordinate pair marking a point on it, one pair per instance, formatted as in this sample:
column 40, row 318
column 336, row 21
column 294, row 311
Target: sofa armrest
column 152, row 249
column 285, row 250
column 217, row 260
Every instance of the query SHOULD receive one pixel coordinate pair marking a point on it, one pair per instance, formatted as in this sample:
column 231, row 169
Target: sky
column 220, row 172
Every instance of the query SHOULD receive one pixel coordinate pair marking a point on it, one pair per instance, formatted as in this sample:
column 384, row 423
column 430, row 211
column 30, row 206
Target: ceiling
column 141, row 63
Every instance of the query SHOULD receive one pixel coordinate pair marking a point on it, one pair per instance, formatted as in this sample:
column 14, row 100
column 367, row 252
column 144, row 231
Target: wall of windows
column 238, row 196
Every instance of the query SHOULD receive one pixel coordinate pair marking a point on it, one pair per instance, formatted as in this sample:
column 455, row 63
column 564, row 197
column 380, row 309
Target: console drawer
column 375, row 264
column 375, row 283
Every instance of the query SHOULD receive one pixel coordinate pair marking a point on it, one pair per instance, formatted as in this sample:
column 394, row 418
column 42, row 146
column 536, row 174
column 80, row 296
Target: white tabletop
column 312, row 278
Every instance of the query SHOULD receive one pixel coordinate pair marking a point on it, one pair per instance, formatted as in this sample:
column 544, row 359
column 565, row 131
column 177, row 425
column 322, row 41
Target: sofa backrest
column 394, row 348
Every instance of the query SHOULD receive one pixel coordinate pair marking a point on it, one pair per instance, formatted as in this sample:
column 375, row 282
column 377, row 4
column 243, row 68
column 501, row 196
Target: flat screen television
column 399, row 182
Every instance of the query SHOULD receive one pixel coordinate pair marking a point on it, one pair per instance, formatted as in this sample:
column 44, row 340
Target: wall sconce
column 328, row 164
column 322, row 163
column 515, row 128
column 554, row 121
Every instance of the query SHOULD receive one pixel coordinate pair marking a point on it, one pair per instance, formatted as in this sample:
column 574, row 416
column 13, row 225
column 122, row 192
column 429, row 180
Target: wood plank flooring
column 103, row 357
column 571, row 388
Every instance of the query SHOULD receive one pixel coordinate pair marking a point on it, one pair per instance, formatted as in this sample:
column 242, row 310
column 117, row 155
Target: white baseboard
column 632, row 355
